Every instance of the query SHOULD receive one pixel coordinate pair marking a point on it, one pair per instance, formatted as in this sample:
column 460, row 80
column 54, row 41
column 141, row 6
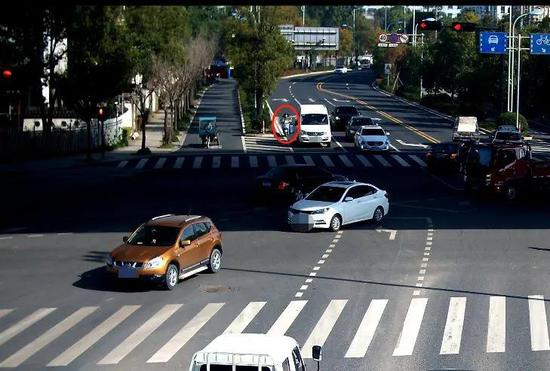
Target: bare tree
column 140, row 96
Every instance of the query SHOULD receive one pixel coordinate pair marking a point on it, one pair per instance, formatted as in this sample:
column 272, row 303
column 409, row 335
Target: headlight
column 109, row 260
column 154, row 263
column 320, row 211
column 337, row 118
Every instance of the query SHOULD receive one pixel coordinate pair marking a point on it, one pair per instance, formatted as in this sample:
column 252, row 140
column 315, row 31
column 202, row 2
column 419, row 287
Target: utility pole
column 354, row 37
column 385, row 19
column 303, row 15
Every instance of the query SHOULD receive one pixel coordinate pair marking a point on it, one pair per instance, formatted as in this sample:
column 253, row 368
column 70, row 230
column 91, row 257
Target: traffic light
column 7, row 73
column 427, row 25
column 464, row 27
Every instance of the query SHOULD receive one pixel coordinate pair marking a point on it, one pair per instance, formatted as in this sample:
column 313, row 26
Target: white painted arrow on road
column 392, row 232
column 411, row 144
column 340, row 100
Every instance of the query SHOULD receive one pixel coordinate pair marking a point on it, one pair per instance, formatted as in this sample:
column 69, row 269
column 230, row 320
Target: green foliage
column 509, row 118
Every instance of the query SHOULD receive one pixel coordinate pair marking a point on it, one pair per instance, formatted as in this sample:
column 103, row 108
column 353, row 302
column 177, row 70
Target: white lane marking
column 141, row 163
column 245, row 317
column 418, row 285
column 411, row 144
column 299, row 294
column 181, row 338
column 394, row 147
column 422, row 271
column 420, row 278
column 6, row 238
column 179, row 162
column 297, row 101
column 329, row 102
column 321, row 261
column 312, row 274
column 139, row 335
column 329, row 251
column 327, row 161
column 93, row 336
column 285, row 320
column 426, row 254
column 316, row 268
column 253, row 160
column 423, row 265
column 309, row 160
column 496, row 331
column 325, row 256
column 411, row 327
column 122, row 164
column 428, row 248
column 365, row 332
column 429, row 243
column 416, row 292
column 197, row 162
column 339, row 144
column 364, row 161
column 290, row 160
column 345, row 160
column 311, row 100
column 382, row 160
column 65, row 233
column 429, row 238
column 160, row 162
column 234, row 162
column 47, row 337
column 400, row 160
column 5, row 312
column 35, row 235
column 304, row 287
column 323, row 328
column 418, row 160
column 332, row 245
column 309, row 280
column 25, row 323
column 392, row 232
column 452, row 334
column 271, row 161
column 216, row 162
column 538, row 324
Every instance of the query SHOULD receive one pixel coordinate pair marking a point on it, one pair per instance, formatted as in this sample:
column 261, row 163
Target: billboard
column 312, row 38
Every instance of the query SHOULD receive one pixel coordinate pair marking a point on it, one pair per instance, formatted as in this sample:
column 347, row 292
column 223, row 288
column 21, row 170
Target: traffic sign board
column 492, row 42
column 540, row 43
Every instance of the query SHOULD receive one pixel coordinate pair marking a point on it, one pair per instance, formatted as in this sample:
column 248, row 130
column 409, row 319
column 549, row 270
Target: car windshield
column 152, row 235
column 369, row 131
column 346, row 111
column 326, row 194
column 508, row 136
column 360, row 121
column 314, row 119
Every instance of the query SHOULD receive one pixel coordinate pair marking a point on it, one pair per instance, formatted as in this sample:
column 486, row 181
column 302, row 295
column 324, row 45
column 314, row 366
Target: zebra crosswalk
column 249, row 161
column 310, row 322
column 264, row 143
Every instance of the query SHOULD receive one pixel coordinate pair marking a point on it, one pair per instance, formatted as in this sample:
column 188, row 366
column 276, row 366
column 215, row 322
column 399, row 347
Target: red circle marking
column 298, row 124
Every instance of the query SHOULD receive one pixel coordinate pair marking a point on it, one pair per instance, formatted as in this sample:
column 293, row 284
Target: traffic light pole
column 520, row 38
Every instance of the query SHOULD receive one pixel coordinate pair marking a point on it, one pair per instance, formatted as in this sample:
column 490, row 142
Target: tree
column 345, row 41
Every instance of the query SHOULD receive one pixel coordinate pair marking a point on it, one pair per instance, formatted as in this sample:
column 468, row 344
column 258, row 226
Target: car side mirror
column 316, row 353
column 185, row 243
column 348, row 199
column 125, row 239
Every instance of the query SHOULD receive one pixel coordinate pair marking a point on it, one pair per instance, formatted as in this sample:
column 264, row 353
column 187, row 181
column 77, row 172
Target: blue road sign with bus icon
column 540, row 43
column 492, row 42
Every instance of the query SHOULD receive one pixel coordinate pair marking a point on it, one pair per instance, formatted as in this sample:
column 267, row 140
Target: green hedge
column 509, row 118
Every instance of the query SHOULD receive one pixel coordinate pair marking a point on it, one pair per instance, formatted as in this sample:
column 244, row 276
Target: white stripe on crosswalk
column 281, row 325
column 382, row 160
column 327, row 161
column 538, row 323
column 141, row 163
column 253, row 160
column 94, row 336
column 400, row 160
column 197, row 162
column 364, row 161
column 5, row 312
column 216, row 162
column 40, row 342
column 25, row 323
column 309, row 160
column 234, row 161
column 411, row 327
column 271, row 161
column 453, row 327
column 418, row 160
column 290, row 160
column 496, row 331
column 160, row 163
column 365, row 332
column 323, row 328
column 137, row 337
column 179, row 162
column 345, row 160
column 173, row 345
column 245, row 317
column 123, row 163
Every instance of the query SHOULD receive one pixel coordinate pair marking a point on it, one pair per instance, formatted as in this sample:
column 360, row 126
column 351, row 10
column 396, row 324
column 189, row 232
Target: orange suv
column 168, row 248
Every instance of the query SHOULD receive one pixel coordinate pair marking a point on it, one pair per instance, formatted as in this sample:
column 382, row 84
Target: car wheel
column 215, row 261
column 335, row 223
column 378, row 214
column 171, row 277
column 510, row 192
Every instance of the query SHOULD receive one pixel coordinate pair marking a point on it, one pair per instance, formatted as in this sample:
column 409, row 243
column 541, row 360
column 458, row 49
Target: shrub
column 509, row 118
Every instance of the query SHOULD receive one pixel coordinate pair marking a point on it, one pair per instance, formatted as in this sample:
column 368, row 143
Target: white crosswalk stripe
column 309, row 160
column 24, row 324
column 496, row 331
column 290, row 160
column 453, row 328
column 253, row 161
column 365, row 332
column 345, row 160
column 137, row 337
column 286, row 318
column 323, row 328
column 234, row 162
column 411, row 327
column 400, row 160
column 169, row 349
column 216, row 162
column 142, row 163
column 179, row 162
column 364, row 160
column 272, row 161
column 418, row 160
column 123, row 163
column 265, row 144
column 538, row 323
column 197, row 162
column 160, row 163
column 16, row 359
column 328, row 162
column 245, row 317
column 382, row 160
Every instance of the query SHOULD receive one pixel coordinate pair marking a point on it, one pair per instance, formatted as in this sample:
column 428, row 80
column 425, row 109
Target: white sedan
column 372, row 138
column 338, row 203
column 341, row 69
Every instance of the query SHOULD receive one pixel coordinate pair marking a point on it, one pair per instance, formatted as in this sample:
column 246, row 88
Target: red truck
column 507, row 169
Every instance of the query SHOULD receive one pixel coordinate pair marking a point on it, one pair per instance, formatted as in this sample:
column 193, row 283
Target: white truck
column 251, row 352
column 465, row 128
column 315, row 125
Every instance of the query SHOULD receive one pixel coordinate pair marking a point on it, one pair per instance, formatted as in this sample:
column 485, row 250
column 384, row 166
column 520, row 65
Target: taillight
column 282, row 185
column 454, row 155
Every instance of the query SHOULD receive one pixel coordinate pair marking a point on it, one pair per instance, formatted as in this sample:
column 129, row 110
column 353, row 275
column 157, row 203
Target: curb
column 241, row 111
column 414, row 104
column 305, row 74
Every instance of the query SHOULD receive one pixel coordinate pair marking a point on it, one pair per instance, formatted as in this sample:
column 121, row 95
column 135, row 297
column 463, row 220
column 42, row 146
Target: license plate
column 266, row 184
column 127, row 272
column 315, row 139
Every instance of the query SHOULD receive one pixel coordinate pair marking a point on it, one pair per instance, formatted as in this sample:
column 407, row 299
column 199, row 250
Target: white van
column 315, row 125
column 250, row 352
column 466, row 128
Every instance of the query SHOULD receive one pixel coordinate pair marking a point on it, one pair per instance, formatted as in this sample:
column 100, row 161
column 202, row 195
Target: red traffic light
column 457, row 27
column 429, row 25
column 6, row 74
column 463, row 26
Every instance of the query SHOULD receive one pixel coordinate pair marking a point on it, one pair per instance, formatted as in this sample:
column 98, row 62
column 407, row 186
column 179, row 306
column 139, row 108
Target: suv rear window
column 360, row 121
